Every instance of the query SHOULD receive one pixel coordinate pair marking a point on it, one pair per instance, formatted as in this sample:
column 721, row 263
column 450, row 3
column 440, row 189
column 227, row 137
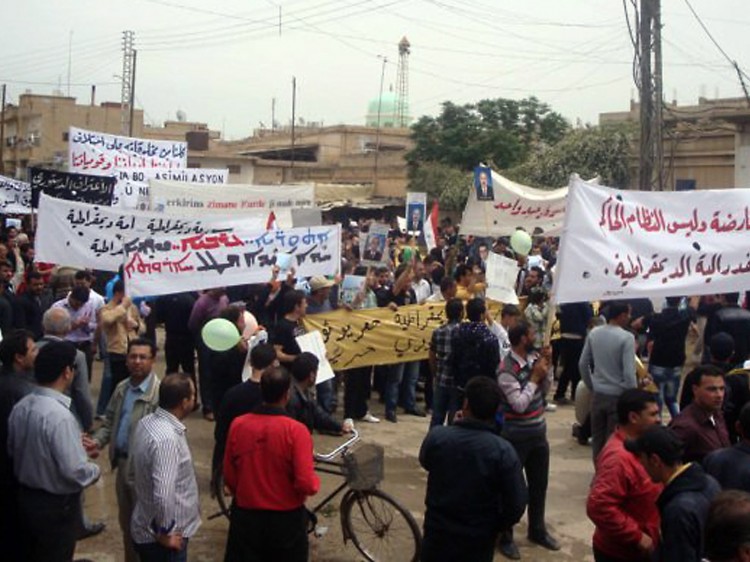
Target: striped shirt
column 441, row 345
column 166, row 490
column 523, row 400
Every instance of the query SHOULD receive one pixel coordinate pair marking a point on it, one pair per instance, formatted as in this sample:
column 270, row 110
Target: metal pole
column 294, row 114
column 646, row 164
column 658, row 134
column 70, row 58
column 132, row 96
column 377, row 130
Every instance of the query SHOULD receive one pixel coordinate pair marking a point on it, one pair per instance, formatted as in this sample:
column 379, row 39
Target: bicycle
column 380, row 528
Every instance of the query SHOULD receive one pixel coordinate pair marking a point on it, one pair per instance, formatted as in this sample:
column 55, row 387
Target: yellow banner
column 380, row 336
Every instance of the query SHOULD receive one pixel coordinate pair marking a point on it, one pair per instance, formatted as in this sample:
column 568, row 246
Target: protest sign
column 92, row 236
column 97, row 153
column 380, row 336
column 373, row 246
column 238, row 256
column 15, row 196
column 85, row 188
column 501, row 206
column 627, row 244
column 132, row 189
column 187, row 198
column 501, row 276
column 416, row 209
column 351, row 286
column 312, row 342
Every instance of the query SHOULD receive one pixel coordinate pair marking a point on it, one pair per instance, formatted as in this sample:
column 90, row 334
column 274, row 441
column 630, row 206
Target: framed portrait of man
column 483, row 184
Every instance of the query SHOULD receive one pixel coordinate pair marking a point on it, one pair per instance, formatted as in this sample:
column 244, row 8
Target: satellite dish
column 181, row 116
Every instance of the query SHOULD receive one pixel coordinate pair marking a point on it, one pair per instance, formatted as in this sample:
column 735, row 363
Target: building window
column 234, row 168
column 65, row 136
column 684, row 185
column 193, row 164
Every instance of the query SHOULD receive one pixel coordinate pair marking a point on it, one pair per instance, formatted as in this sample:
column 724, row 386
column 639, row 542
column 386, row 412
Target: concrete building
column 706, row 146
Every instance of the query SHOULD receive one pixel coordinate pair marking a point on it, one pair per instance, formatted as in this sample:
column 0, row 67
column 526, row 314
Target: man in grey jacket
column 607, row 368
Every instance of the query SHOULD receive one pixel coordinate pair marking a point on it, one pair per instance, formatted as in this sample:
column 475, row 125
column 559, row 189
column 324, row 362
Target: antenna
column 126, row 97
column 402, row 83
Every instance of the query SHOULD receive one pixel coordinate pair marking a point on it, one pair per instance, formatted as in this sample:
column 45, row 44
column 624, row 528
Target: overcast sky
column 222, row 62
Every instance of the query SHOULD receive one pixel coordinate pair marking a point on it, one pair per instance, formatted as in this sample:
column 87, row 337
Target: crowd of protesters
column 487, row 385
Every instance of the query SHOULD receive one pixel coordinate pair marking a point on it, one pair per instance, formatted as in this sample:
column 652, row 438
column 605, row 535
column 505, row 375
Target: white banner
column 90, row 152
column 15, row 196
column 626, row 244
column 238, row 256
column 132, row 189
column 189, row 199
column 92, row 236
column 498, row 206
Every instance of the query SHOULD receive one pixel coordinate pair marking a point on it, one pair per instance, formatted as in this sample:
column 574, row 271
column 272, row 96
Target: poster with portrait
column 483, row 184
column 416, row 210
column 373, row 245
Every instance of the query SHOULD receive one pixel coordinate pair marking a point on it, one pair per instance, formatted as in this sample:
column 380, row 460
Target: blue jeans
column 401, row 386
column 154, row 552
column 324, row 393
column 668, row 381
column 444, row 401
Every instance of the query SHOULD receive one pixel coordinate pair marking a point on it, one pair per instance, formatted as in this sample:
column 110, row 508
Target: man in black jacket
column 468, row 502
column 687, row 495
column 731, row 466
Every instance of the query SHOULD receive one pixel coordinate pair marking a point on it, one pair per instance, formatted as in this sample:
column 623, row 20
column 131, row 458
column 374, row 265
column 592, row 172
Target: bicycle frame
column 325, row 464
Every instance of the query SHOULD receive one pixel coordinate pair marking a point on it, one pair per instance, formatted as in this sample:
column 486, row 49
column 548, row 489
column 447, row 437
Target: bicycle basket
column 363, row 467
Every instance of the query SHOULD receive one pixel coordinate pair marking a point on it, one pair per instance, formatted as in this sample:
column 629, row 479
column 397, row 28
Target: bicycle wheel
column 381, row 528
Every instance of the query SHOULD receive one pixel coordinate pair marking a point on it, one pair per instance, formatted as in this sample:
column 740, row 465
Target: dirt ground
column 571, row 472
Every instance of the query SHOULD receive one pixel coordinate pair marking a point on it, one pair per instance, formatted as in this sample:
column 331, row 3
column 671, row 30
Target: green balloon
column 521, row 242
column 407, row 254
column 220, row 334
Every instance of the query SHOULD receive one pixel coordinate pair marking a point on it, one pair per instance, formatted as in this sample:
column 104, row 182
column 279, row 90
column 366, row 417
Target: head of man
column 721, row 348
column 463, row 275
column 636, row 411
column 78, row 297
column 483, row 181
column 727, row 529
column 320, row 289
column 177, row 395
column 294, row 305
column 140, row 359
column 509, row 316
column 708, row 388
column 305, row 369
column 217, row 292
column 236, row 315
column 6, row 271
column 481, row 399
column 18, row 351
column 448, row 288
column 521, row 338
column 619, row 314
column 475, row 310
column 673, row 302
column 416, row 217
column 454, row 310
column 534, row 277
column 383, row 275
column 262, row 357
column 56, row 322
column 118, row 291
column 274, row 387
column 35, row 283
column 659, row 450
column 484, row 252
column 83, row 278
column 373, row 243
column 419, row 270
column 54, row 365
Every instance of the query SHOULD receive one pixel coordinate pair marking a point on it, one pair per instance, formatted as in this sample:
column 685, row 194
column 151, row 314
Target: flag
column 271, row 222
column 431, row 227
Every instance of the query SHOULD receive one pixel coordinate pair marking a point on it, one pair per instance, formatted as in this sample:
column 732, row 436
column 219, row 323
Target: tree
column 450, row 186
column 589, row 152
column 500, row 132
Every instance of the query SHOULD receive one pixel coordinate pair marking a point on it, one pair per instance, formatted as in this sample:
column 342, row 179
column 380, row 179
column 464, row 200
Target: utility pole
column 651, row 158
column 132, row 96
column 273, row 115
column 294, row 115
column 2, row 131
column 70, row 58
column 126, row 95
column 658, row 134
column 377, row 130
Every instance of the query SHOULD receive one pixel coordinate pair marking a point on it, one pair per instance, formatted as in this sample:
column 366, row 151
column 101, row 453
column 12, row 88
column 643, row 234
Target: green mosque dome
column 388, row 111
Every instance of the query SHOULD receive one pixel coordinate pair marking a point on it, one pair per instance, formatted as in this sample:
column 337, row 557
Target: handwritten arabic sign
column 178, row 263
column 132, row 189
column 514, row 206
column 191, row 199
column 91, row 152
column 622, row 244
column 380, row 336
column 92, row 236
column 15, row 196
column 95, row 190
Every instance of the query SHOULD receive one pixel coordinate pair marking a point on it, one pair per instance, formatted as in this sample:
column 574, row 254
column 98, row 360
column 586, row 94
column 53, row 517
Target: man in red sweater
column 622, row 499
column 268, row 466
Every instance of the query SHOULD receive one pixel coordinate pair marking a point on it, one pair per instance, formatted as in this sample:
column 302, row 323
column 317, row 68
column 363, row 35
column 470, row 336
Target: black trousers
column 13, row 542
column 356, row 392
column 599, row 556
column 179, row 353
column 267, row 536
column 571, row 353
column 443, row 547
column 119, row 368
column 50, row 521
column 534, row 457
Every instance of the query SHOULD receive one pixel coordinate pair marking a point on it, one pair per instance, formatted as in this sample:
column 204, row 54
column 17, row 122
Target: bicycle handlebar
column 338, row 450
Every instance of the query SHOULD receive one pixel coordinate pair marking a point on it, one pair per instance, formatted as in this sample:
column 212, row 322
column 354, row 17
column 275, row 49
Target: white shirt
column 422, row 289
column 501, row 334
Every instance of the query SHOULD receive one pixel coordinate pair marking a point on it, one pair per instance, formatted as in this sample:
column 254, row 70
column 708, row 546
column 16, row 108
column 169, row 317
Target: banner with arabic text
column 381, row 336
column 132, row 189
column 500, row 206
column 91, row 152
column 92, row 236
column 627, row 244
column 95, row 190
column 15, row 196
column 177, row 263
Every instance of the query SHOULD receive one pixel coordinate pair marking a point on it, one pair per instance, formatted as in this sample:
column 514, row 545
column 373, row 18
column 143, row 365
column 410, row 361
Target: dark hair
column 304, row 364
column 262, row 356
column 517, row 332
column 732, row 298
column 291, row 301
column 381, row 270
column 454, row 310
column 727, row 525
column 119, row 286
column 174, row 389
column 14, row 343
column 661, row 441
column 483, row 397
column 744, row 420
column 616, row 308
column 704, row 371
column 82, row 274
column 143, row 341
column 475, row 309
column 232, row 313
column 721, row 347
column 632, row 400
column 6, row 263
column 52, row 360
column 446, row 284
column 274, row 384
column 461, row 270
column 80, row 293
column 510, row 310
column 539, row 271
column 33, row 274
column 673, row 301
